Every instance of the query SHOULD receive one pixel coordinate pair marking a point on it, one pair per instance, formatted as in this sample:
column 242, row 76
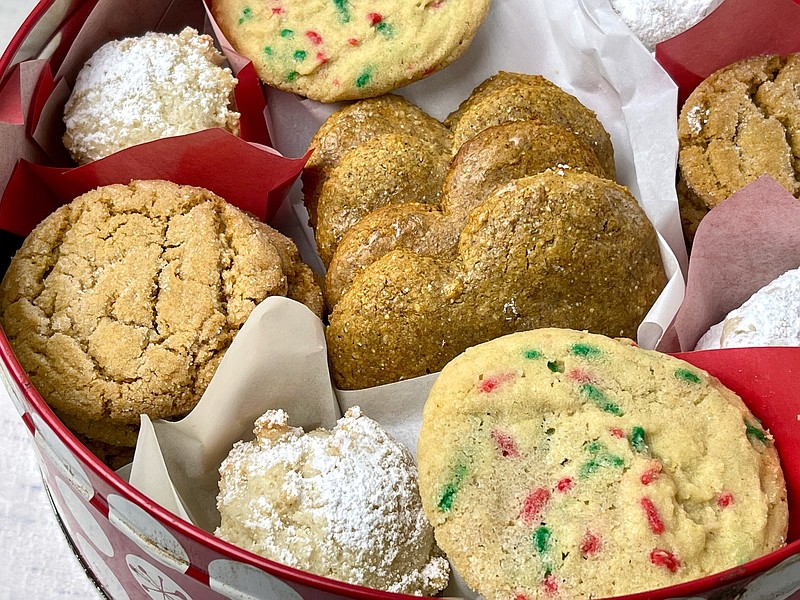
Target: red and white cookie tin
column 136, row 550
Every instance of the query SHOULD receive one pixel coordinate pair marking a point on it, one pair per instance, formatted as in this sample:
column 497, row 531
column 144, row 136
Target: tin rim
column 698, row 586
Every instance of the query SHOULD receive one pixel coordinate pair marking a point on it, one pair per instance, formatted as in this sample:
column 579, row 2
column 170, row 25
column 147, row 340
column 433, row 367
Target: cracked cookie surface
column 125, row 300
column 556, row 463
column 741, row 122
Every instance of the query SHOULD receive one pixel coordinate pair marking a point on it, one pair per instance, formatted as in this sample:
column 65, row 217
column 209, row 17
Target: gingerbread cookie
column 125, row 300
column 342, row 503
column 483, row 165
column 519, row 97
column 141, row 89
column 541, row 251
column 741, row 122
column 332, row 50
column 555, row 463
column 357, row 123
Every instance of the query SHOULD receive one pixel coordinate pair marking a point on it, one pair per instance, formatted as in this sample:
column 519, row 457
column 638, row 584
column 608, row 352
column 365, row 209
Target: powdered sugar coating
column 141, row 89
column 342, row 503
column 654, row 21
column 770, row 317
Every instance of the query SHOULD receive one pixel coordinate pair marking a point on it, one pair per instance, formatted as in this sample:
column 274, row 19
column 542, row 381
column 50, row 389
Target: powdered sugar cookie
column 332, row 50
column 654, row 21
column 770, row 317
column 555, row 463
column 141, row 89
column 342, row 503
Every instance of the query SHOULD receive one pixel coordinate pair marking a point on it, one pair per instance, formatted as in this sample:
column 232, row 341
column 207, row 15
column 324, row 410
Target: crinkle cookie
column 125, row 300
column 333, row 50
column 357, row 123
column 137, row 90
column 541, row 251
column 342, row 503
column 484, row 164
column 520, row 97
column 741, row 122
column 561, row 464
column 770, row 317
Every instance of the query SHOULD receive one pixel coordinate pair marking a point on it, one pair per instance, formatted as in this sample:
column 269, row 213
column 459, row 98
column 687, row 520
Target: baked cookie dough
column 770, row 317
column 556, row 463
column 331, row 50
column 125, row 300
column 137, row 90
column 357, row 123
column 741, row 122
column 541, row 251
column 342, row 503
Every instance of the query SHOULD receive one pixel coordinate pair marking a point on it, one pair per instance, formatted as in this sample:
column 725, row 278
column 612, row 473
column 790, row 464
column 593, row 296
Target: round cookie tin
column 134, row 549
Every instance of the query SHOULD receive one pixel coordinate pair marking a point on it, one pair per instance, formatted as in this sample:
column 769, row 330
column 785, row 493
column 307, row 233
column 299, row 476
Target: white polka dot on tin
column 242, row 582
column 147, row 533
column 104, row 575
column 779, row 583
column 69, row 467
column 154, row 581
column 88, row 524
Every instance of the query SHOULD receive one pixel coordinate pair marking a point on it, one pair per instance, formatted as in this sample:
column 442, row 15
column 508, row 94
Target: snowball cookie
column 125, row 300
column 142, row 89
column 332, row 50
column 342, row 504
column 770, row 317
column 562, row 464
column 654, row 21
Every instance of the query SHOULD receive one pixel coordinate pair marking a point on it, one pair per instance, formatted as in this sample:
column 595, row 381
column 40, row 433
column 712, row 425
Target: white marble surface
column 35, row 560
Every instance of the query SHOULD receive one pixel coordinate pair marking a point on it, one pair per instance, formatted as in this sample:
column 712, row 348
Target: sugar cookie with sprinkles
column 557, row 463
column 332, row 50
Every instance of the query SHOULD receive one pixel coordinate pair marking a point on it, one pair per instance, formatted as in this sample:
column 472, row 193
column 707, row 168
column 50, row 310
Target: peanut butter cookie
column 741, row 122
column 124, row 301
column 561, row 248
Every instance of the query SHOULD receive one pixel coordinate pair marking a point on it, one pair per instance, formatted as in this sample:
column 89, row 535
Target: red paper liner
column 736, row 30
column 251, row 177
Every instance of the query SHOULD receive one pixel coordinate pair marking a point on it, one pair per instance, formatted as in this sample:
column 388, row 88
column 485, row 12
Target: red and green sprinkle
column 653, row 518
column 445, row 503
column 664, row 558
column 687, row 375
column 505, row 444
column 533, row 504
column 247, row 14
column 597, row 397
column 636, row 439
column 343, row 10
column 585, row 350
column 364, row 78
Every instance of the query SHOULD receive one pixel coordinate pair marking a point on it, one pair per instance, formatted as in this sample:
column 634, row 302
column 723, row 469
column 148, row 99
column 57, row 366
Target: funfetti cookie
column 331, row 50
column 561, row 464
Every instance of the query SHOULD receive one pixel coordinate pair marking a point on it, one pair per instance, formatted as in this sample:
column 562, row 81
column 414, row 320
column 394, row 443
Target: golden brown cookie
column 527, row 97
column 356, row 123
column 561, row 464
column 125, row 300
column 485, row 163
column 741, row 122
column 391, row 168
column 561, row 248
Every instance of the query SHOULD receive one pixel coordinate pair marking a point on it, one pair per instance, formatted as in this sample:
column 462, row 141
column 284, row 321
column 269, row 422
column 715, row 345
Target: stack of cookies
column 438, row 236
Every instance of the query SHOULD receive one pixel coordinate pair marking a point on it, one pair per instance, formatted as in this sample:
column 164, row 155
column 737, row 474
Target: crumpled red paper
column 736, row 30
